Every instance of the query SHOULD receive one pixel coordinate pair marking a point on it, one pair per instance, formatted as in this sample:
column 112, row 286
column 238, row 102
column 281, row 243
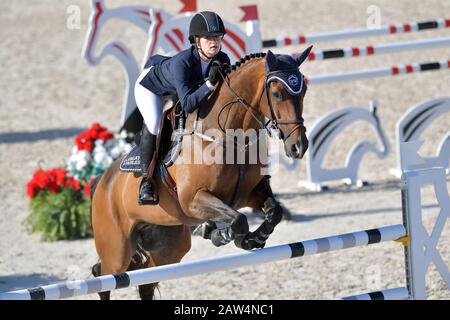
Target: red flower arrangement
column 58, row 207
column 53, row 180
column 86, row 140
column 60, row 197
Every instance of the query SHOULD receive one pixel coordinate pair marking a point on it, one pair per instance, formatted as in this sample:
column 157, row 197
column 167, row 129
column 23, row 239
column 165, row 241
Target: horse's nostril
column 294, row 148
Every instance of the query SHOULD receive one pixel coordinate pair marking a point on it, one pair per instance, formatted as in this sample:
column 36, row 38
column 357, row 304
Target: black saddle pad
column 131, row 161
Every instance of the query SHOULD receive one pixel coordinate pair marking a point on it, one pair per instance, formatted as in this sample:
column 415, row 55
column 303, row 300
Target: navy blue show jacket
column 180, row 75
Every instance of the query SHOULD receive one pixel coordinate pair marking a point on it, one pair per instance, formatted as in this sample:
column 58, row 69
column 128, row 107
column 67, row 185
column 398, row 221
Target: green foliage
column 60, row 216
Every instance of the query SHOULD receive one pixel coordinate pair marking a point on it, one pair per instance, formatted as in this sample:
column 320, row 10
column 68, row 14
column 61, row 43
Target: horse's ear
column 303, row 56
column 271, row 60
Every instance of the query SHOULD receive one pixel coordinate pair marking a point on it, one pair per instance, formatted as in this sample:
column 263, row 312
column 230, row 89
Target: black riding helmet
column 206, row 23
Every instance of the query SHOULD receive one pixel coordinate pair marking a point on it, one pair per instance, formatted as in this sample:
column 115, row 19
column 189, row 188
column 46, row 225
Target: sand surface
column 48, row 94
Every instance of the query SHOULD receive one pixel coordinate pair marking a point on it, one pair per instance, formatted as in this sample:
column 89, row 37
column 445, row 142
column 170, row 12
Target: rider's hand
column 216, row 72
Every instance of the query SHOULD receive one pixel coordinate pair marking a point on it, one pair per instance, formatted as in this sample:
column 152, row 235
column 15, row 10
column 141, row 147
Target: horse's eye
column 277, row 95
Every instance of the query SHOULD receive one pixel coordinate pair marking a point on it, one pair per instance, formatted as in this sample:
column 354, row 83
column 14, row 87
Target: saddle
column 166, row 153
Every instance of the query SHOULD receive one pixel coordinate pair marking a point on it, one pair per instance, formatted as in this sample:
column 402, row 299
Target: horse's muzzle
column 296, row 150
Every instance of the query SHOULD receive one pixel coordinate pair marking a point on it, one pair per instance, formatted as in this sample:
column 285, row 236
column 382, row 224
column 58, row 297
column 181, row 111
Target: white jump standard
column 321, row 137
column 411, row 126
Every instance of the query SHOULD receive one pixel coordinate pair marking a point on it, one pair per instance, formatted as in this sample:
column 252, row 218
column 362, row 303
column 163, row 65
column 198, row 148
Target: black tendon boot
column 148, row 192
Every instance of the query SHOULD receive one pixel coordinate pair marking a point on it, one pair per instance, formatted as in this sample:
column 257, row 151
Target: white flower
column 100, row 153
column 114, row 152
column 109, row 143
column 107, row 161
column 104, row 153
column 81, row 159
column 99, row 142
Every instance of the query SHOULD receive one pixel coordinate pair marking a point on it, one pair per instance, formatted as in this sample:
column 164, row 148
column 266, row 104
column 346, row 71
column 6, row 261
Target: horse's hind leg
column 96, row 271
column 113, row 260
column 112, row 241
column 140, row 260
column 166, row 245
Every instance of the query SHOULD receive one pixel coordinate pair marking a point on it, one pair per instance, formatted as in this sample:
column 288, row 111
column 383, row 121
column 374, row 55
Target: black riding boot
column 148, row 192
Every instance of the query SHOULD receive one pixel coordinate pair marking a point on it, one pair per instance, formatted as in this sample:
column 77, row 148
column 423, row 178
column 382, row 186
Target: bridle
column 256, row 114
column 273, row 120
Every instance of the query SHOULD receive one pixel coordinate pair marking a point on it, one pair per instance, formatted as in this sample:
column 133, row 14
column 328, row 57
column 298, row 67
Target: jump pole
column 357, row 33
column 192, row 268
column 379, row 48
column 388, row 294
column 379, row 72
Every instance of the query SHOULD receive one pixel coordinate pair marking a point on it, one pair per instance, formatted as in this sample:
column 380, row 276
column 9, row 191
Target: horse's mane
column 245, row 59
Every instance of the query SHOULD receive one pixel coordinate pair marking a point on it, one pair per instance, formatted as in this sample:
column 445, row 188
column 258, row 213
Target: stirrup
column 153, row 187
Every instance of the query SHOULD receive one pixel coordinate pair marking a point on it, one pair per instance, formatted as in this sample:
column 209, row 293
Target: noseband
column 274, row 121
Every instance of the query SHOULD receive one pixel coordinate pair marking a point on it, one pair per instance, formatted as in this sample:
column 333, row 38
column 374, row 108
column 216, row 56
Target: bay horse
column 259, row 91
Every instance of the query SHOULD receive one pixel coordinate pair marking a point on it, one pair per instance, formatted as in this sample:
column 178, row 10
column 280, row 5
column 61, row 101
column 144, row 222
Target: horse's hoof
column 243, row 242
column 204, row 230
column 257, row 245
column 248, row 244
column 240, row 225
column 221, row 237
column 96, row 270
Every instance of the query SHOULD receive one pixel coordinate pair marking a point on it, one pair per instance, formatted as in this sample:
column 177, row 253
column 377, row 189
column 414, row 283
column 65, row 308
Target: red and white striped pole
column 355, row 33
column 377, row 49
column 379, row 72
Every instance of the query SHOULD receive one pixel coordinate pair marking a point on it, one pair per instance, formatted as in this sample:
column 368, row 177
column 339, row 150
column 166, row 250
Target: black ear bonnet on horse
column 283, row 69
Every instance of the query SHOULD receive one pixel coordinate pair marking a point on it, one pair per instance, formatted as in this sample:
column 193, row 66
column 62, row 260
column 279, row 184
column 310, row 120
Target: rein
column 255, row 113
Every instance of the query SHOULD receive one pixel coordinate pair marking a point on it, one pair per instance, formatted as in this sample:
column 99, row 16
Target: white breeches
column 149, row 104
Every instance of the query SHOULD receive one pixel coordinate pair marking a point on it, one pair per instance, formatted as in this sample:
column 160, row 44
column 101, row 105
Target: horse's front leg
column 262, row 199
column 273, row 213
column 206, row 206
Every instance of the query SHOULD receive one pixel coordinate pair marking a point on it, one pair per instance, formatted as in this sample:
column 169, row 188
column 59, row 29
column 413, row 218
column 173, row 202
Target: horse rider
column 184, row 75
